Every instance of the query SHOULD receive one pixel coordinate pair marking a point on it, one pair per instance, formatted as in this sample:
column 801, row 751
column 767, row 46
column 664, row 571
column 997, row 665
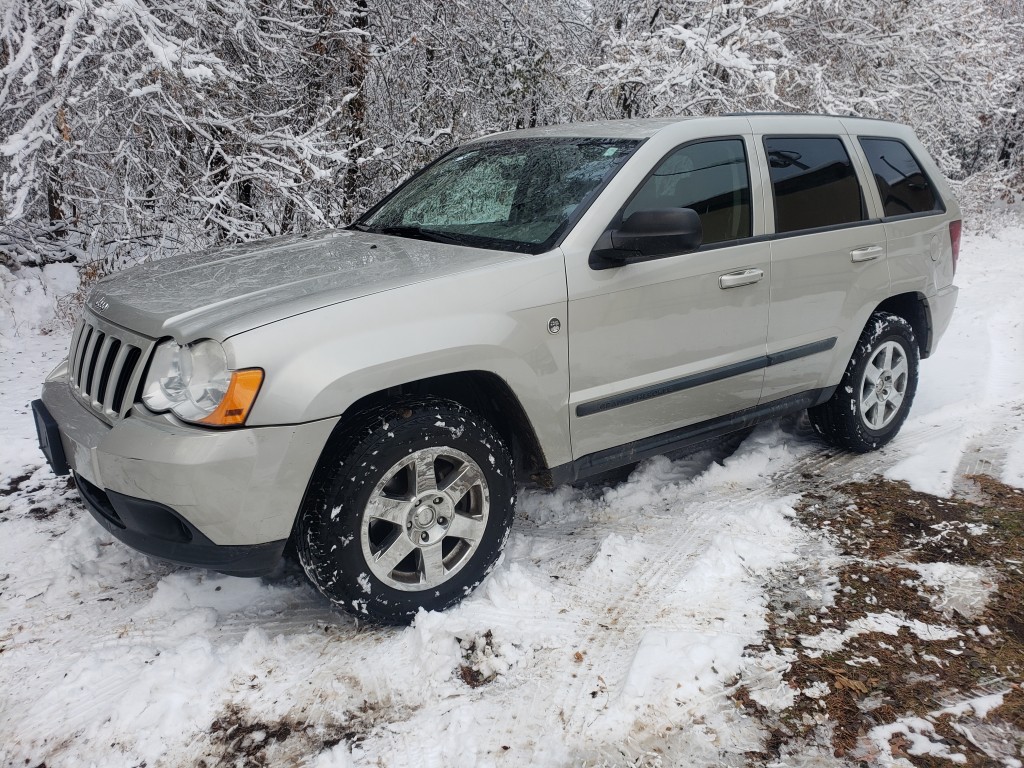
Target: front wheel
column 874, row 397
column 410, row 510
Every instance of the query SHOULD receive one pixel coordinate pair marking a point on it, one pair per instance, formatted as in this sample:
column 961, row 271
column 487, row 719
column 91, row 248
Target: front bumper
column 229, row 489
column 160, row 532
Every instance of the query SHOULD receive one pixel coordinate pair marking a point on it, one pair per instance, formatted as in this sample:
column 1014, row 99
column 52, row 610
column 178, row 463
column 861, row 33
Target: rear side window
column 813, row 183
column 711, row 178
column 902, row 185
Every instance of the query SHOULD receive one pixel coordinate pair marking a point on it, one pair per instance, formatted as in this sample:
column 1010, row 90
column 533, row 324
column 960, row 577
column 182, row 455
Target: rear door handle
column 867, row 253
column 743, row 277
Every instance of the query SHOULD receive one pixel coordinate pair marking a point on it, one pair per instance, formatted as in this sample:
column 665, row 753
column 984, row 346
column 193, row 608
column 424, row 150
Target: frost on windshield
column 483, row 193
column 514, row 194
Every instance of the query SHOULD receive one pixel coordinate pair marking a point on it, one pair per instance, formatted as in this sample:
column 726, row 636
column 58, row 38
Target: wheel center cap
column 884, row 386
column 424, row 516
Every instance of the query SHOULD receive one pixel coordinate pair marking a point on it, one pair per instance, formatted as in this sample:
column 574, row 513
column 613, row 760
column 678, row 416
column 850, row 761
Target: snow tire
column 409, row 508
column 875, row 394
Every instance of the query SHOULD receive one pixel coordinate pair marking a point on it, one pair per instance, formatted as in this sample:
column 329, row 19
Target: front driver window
column 710, row 177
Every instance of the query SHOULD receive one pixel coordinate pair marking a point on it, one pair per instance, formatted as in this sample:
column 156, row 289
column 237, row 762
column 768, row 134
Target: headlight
column 194, row 383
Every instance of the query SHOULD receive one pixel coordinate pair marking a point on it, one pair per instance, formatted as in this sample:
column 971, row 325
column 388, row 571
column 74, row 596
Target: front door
column 662, row 344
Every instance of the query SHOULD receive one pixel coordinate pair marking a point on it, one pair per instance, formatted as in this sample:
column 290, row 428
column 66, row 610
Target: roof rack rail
column 799, row 114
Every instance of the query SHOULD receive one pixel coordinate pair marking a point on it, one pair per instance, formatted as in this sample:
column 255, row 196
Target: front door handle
column 867, row 253
column 743, row 277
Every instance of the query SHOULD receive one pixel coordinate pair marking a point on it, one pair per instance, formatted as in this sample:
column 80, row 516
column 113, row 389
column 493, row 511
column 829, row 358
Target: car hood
column 221, row 292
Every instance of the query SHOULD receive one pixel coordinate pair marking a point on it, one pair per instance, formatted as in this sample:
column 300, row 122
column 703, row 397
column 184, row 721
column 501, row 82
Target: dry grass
column 881, row 528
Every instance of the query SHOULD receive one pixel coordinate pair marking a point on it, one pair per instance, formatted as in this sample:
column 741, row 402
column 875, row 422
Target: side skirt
column 600, row 462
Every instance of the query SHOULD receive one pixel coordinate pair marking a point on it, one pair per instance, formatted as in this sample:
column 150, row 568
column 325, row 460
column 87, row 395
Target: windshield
column 516, row 194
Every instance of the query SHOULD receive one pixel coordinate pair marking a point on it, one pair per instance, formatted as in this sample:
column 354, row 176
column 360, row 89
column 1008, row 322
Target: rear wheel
column 410, row 511
column 874, row 397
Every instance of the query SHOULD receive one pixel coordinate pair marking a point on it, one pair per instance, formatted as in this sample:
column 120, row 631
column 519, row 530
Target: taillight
column 954, row 240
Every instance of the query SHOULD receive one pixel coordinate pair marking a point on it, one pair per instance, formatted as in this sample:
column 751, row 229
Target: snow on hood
column 205, row 292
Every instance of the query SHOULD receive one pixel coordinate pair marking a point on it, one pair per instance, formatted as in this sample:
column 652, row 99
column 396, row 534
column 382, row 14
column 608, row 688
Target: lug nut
column 425, row 536
column 442, row 521
column 439, row 500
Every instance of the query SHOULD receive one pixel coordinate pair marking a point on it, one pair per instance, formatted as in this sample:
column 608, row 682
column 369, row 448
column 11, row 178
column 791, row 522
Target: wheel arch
column 484, row 392
column 912, row 307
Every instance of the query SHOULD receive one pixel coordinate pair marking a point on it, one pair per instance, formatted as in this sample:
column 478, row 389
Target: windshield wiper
column 420, row 234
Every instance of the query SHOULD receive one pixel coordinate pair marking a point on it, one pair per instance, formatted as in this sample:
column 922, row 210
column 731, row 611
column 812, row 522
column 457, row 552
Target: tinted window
column 902, row 184
column 711, row 178
column 813, row 182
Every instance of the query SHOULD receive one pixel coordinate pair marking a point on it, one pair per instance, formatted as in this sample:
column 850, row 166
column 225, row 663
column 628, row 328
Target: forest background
column 140, row 128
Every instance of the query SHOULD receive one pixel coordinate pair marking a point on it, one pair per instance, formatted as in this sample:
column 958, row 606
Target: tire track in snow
column 623, row 620
column 608, row 622
column 639, row 611
column 611, row 621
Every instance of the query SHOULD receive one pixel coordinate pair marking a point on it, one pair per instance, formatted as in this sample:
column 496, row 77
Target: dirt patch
column 241, row 741
column 479, row 654
column 246, row 741
column 40, row 501
column 42, row 513
column 14, row 484
column 883, row 649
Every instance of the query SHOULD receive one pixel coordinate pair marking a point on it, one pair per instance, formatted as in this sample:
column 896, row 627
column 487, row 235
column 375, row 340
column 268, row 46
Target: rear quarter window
column 814, row 183
column 902, row 184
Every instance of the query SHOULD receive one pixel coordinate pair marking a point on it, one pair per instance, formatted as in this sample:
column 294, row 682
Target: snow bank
column 615, row 630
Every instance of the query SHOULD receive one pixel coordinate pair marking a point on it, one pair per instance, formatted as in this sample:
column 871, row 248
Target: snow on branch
column 136, row 128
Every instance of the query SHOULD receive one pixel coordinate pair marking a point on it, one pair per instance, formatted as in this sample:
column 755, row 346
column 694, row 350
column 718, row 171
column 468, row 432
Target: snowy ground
column 613, row 632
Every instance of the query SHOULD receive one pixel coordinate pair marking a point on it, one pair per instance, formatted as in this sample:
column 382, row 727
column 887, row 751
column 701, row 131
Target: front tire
column 876, row 392
column 410, row 510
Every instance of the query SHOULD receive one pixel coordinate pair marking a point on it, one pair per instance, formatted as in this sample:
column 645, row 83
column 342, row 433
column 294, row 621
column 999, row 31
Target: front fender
column 493, row 319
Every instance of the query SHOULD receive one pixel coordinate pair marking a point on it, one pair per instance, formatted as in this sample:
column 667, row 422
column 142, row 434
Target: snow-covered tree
column 131, row 128
column 948, row 67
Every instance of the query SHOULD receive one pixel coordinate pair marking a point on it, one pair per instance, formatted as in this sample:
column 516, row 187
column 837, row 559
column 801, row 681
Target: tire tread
column 838, row 419
column 347, row 466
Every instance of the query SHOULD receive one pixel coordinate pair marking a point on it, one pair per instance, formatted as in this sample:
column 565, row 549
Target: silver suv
column 545, row 304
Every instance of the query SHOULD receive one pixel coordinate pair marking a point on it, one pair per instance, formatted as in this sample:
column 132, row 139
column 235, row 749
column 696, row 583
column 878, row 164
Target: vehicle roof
column 645, row 128
column 603, row 129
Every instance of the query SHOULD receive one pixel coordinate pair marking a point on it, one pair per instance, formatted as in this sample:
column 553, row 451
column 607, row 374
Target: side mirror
column 648, row 235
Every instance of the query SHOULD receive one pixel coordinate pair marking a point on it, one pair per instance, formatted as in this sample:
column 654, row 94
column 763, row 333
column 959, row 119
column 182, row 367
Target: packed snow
column 612, row 632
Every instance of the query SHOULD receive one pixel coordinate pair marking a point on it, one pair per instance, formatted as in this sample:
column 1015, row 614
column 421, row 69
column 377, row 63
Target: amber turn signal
column 241, row 394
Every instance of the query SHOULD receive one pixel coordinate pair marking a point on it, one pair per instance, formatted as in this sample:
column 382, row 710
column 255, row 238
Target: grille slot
column 83, row 342
column 106, row 366
column 98, row 342
column 113, row 349
column 124, row 378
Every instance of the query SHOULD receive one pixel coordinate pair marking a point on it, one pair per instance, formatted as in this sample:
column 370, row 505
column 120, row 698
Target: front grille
column 106, row 364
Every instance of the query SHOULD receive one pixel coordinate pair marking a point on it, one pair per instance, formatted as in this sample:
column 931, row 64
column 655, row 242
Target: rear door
column 828, row 257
